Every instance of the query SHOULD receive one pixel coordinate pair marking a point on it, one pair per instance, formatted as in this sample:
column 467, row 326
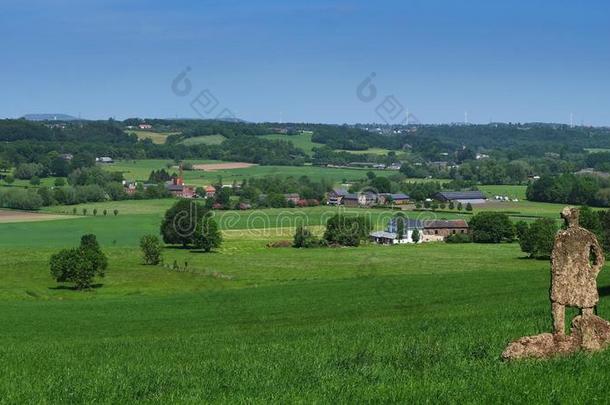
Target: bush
column 115, row 212
column 26, row 171
column 303, row 238
column 35, row 181
column 20, row 199
column 346, row 231
column 469, row 207
column 151, row 249
column 79, row 265
column 459, row 238
column 491, row 227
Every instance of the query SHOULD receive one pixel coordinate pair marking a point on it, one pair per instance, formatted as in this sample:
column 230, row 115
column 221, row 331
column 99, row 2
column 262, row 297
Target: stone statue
column 576, row 260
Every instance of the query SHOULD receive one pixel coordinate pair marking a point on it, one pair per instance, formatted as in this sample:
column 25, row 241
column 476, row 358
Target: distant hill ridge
column 50, row 117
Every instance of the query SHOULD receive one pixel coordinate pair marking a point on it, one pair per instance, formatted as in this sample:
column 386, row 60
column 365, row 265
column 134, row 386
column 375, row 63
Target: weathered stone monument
column 576, row 261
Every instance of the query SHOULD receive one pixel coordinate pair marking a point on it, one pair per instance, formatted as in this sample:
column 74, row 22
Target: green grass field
column 156, row 137
column 249, row 323
column 254, row 324
column 204, row 140
column 302, row 141
column 140, row 170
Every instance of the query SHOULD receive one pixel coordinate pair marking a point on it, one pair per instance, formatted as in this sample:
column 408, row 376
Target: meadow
column 140, row 170
column 249, row 323
column 254, row 324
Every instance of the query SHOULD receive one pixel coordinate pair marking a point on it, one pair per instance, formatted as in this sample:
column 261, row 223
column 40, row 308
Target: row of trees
column 570, row 189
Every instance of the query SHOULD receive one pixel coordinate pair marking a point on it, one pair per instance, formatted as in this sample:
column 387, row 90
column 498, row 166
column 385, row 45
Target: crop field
column 250, row 323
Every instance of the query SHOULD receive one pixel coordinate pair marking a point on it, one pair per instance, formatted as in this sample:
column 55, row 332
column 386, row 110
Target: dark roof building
column 472, row 197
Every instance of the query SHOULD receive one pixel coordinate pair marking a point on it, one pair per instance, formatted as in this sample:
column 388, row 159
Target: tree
column 180, row 222
column 9, row 179
column 151, row 249
column 346, row 231
column 115, row 212
column 537, row 239
column 415, row 236
column 491, row 227
column 400, row 226
column 451, row 205
column 381, row 184
column 207, row 235
column 105, row 212
column 60, row 182
column 84, row 211
column 590, row 220
column 95, row 212
column 35, row 181
column 79, row 265
column 303, row 238
column 469, row 207
column 460, row 206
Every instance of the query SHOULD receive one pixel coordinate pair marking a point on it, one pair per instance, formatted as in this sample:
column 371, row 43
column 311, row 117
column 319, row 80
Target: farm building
column 464, row 197
column 292, row 197
column 335, row 196
column 398, row 199
column 177, row 188
column 104, row 159
column 359, row 199
column 210, row 191
column 429, row 230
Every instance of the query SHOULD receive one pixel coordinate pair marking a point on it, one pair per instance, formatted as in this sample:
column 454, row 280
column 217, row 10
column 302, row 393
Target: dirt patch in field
column 25, row 216
column 212, row 167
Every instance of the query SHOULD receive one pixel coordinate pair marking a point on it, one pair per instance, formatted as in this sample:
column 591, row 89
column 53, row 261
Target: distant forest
column 25, row 141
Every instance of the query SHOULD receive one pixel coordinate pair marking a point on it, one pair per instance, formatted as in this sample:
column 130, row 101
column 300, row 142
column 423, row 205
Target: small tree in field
column 460, row 206
column 207, row 236
column 74, row 210
column 151, row 249
column 79, row 265
column 451, row 205
column 115, row 212
column 415, row 236
column 84, row 211
column 95, row 212
column 105, row 212
column 469, row 207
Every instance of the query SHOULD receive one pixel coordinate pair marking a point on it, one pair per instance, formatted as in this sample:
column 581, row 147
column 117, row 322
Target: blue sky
column 515, row 61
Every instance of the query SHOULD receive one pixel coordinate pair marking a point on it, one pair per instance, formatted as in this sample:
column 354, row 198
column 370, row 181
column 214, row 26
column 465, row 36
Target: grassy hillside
column 156, row 137
column 140, row 170
column 399, row 324
column 204, row 140
column 302, row 141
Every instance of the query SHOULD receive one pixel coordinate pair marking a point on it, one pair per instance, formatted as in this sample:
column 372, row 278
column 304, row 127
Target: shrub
column 21, row 199
column 9, row 179
column 115, row 212
column 469, row 207
column 35, row 181
column 491, row 227
column 451, row 205
column 151, row 249
column 84, row 211
column 105, row 212
column 460, row 206
column 303, row 238
column 79, row 265
column 95, row 212
column 60, row 182
column 459, row 238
